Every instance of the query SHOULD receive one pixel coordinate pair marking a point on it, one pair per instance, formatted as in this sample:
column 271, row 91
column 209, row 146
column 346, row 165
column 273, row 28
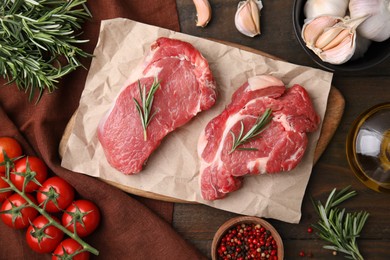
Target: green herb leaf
column 145, row 109
column 338, row 227
column 256, row 129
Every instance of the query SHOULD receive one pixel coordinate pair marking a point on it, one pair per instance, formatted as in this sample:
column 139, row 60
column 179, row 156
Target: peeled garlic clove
column 247, row 18
column 377, row 25
column 315, row 8
column 203, row 10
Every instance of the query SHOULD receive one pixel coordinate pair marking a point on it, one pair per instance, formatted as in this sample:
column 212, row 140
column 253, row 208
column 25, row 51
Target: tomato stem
column 30, row 203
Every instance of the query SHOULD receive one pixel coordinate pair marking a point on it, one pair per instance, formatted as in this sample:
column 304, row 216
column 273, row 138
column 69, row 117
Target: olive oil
column 368, row 148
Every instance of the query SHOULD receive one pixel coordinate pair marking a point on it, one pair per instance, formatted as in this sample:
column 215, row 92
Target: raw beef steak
column 278, row 148
column 186, row 87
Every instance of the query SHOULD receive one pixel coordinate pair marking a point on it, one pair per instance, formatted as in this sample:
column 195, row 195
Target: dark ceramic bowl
column 376, row 53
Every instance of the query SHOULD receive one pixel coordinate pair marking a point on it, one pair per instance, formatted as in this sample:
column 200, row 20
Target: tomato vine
column 28, row 202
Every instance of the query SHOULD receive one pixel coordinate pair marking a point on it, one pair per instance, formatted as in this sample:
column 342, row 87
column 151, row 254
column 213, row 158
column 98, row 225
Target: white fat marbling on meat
column 182, row 57
column 294, row 156
column 153, row 72
column 263, row 81
column 202, row 143
column 258, row 165
column 282, row 119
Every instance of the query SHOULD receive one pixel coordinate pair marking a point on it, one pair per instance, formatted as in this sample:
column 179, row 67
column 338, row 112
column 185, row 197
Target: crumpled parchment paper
column 172, row 170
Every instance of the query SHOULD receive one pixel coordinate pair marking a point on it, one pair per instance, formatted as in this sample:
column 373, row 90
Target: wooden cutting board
column 333, row 115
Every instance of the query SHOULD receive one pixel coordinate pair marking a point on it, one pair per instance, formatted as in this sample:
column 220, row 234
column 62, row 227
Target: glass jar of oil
column 368, row 147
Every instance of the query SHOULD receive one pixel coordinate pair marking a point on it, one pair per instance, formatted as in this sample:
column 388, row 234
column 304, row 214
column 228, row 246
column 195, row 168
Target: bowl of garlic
column 343, row 35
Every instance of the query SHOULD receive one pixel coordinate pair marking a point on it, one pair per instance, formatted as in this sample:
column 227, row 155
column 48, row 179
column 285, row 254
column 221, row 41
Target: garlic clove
column 203, row 10
column 343, row 33
column 330, row 36
column 255, row 14
column 313, row 28
column 247, row 18
column 315, row 8
column 342, row 53
column 337, row 40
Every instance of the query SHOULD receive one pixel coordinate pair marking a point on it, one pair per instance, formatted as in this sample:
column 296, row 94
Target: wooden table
column 361, row 90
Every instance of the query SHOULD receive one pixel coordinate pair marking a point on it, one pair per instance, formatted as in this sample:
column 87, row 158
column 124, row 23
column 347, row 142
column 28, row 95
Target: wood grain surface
column 334, row 112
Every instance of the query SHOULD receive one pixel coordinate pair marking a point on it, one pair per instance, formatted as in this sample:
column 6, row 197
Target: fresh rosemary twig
column 145, row 108
column 339, row 228
column 256, row 129
column 37, row 42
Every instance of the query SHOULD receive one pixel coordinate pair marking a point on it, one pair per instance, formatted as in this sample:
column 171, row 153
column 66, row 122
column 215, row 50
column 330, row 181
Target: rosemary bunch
column 339, row 228
column 256, row 129
column 37, row 42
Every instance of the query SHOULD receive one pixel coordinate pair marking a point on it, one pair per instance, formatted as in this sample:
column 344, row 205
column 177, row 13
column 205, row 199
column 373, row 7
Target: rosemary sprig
column 37, row 42
column 256, row 129
column 339, row 228
column 144, row 109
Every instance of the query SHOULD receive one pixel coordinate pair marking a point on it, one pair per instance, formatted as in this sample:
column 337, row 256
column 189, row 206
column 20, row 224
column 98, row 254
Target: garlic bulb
column 377, row 26
column 331, row 38
column 315, row 8
column 247, row 19
column 203, row 10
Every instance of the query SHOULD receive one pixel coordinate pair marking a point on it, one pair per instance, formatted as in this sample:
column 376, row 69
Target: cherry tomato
column 43, row 239
column 58, row 193
column 36, row 166
column 21, row 216
column 12, row 149
column 85, row 214
column 70, row 246
column 3, row 185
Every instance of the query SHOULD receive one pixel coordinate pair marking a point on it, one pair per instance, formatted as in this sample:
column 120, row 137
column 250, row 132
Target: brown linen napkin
column 129, row 229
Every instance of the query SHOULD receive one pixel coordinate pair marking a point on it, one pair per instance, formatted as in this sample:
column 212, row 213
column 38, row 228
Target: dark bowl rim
column 346, row 67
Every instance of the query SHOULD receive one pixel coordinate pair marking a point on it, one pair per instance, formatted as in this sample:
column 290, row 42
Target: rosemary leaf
column 339, row 228
column 145, row 109
column 342, row 196
column 330, row 198
column 260, row 125
column 362, row 220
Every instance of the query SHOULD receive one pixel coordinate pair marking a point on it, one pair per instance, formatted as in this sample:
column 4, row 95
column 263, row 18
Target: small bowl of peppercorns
column 246, row 237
